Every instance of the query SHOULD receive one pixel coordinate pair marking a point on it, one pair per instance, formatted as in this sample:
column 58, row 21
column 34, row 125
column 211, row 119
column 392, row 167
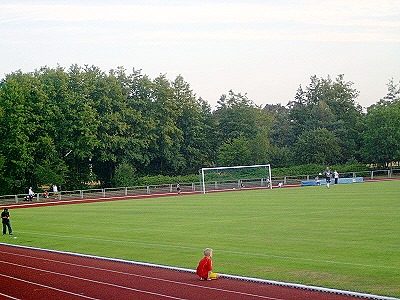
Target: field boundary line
column 48, row 287
column 152, row 245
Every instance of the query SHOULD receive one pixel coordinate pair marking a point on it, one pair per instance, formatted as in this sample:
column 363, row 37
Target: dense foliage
column 78, row 126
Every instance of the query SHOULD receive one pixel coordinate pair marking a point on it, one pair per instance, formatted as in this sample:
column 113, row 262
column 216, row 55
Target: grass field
column 345, row 237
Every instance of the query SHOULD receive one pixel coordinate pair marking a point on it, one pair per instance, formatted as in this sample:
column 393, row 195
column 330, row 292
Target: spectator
column 5, row 218
column 55, row 191
column 336, row 176
column 31, row 194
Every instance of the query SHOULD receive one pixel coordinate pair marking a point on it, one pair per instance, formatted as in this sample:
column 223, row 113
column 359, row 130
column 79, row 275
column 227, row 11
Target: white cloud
column 309, row 20
column 265, row 48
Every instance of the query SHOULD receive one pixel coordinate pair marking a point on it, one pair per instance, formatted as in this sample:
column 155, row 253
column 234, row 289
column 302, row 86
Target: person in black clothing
column 328, row 175
column 5, row 218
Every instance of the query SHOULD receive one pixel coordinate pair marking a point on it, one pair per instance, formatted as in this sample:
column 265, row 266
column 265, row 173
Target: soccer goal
column 236, row 177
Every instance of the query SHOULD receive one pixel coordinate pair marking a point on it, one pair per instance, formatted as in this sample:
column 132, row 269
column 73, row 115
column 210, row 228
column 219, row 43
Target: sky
column 264, row 49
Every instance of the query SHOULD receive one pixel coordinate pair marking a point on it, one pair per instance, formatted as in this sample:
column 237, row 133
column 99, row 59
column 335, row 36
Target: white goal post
column 263, row 173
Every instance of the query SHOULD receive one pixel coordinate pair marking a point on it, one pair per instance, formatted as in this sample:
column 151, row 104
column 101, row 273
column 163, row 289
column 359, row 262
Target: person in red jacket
column 204, row 269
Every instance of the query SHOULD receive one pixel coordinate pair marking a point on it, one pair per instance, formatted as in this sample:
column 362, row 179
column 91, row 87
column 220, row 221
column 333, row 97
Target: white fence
column 188, row 187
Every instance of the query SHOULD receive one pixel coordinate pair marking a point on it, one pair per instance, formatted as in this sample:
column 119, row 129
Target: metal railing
column 99, row 193
column 186, row 187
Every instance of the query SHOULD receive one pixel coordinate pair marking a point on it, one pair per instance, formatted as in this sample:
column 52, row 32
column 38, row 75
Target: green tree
column 317, row 146
column 329, row 104
column 26, row 133
column 241, row 123
column 282, row 133
column 193, row 120
column 236, row 116
column 393, row 93
column 17, row 129
column 166, row 148
column 381, row 135
column 75, row 126
column 234, row 152
column 79, row 123
column 125, row 175
column 53, row 141
column 140, row 117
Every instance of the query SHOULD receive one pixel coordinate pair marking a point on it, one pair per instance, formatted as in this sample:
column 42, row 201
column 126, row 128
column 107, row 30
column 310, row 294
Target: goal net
column 236, row 177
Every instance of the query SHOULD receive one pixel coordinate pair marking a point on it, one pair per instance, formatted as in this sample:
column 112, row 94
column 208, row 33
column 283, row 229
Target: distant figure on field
column 30, row 195
column 55, row 191
column 327, row 173
column 5, row 219
column 336, row 176
column 204, row 269
column 268, row 182
column 178, row 188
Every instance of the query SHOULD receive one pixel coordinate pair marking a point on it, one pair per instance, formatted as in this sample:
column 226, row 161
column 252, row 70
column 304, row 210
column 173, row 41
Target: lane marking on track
column 83, row 279
column 48, row 287
column 8, row 296
column 127, row 274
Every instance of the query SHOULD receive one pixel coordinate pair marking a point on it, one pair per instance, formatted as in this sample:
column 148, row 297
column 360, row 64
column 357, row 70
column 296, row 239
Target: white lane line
column 137, row 275
column 8, row 296
column 84, row 279
column 48, row 287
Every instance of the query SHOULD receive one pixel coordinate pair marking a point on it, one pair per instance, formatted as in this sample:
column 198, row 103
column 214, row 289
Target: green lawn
column 345, row 237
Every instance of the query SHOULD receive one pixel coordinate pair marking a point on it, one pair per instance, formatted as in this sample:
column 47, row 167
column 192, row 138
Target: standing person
column 5, row 218
column 328, row 175
column 31, row 194
column 268, row 182
column 336, row 176
column 204, row 269
column 178, row 188
column 55, row 191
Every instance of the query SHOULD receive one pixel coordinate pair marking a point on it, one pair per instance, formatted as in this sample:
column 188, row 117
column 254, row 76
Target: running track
column 28, row 273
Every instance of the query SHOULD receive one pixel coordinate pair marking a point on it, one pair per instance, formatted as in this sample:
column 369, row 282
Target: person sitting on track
column 204, row 269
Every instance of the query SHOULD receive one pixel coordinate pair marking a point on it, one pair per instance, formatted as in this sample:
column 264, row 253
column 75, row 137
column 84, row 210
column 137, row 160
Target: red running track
column 39, row 274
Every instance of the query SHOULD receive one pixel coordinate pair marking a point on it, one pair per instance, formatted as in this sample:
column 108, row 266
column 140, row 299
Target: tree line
column 80, row 125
